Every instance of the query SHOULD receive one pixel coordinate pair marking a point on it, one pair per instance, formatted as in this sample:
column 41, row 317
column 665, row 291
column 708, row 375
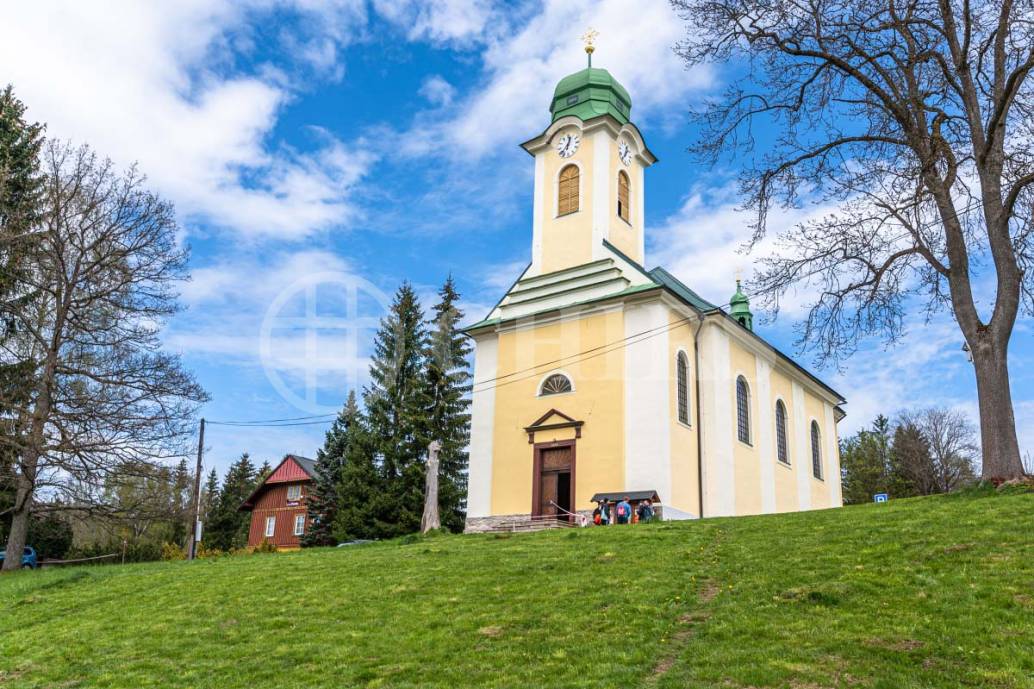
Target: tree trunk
column 430, row 520
column 999, row 448
column 19, row 526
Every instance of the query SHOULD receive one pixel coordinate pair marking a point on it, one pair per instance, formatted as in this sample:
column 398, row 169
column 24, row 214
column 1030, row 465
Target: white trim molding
column 766, row 436
column 482, row 427
column 802, row 463
column 647, row 406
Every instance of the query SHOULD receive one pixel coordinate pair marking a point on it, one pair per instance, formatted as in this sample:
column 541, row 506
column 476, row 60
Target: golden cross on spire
column 589, row 39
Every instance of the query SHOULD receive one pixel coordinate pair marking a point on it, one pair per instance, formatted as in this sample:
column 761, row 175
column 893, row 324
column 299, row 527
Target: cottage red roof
column 291, row 469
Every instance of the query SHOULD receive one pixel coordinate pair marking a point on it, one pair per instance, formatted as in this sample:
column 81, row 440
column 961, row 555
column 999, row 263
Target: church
column 594, row 376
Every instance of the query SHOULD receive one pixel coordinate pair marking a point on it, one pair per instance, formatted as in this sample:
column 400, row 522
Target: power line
column 272, row 421
column 250, row 424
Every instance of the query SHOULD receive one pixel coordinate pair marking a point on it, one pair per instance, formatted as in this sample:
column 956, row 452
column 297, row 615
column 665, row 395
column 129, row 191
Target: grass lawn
column 933, row 592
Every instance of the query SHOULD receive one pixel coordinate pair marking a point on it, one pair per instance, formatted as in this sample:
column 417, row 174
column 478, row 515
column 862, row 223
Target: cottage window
column 816, row 451
column 299, row 524
column 780, row 422
column 682, row 383
column 270, row 526
column 556, row 384
column 742, row 410
column 294, row 492
column 623, row 195
column 567, row 190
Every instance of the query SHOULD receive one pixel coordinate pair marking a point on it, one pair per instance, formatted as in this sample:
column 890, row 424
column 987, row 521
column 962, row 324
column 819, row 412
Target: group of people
column 622, row 512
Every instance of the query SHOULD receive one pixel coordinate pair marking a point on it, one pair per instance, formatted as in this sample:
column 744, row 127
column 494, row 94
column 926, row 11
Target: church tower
column 589, row 165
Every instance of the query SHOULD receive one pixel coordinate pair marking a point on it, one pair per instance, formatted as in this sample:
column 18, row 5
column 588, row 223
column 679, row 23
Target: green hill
column 935, row 592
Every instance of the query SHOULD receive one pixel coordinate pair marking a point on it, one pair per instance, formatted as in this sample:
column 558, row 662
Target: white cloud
column 455, row 22
column 437, row 90
column 160, row 84
column 522, row 69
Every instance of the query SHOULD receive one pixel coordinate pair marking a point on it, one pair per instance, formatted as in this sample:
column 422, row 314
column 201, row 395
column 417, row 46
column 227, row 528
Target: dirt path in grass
column 690, row 622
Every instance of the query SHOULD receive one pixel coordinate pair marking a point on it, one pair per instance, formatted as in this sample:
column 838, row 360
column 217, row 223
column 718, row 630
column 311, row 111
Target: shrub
column 172, row 551
column 264, row 547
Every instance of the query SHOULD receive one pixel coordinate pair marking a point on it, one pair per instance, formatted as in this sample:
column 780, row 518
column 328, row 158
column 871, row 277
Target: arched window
column 623, row 195
column 682, row 381
column 555, row 385
column 567, row 191
column 781, row 454
column 816, row 451
column 742, row 410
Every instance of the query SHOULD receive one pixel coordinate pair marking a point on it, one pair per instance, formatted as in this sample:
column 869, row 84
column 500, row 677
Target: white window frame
column 549, row 375
column 270, row 526
column 295, row 488
column 299, row 524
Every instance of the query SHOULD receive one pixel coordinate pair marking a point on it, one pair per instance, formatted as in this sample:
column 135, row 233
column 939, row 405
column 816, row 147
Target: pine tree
column 263, row 472
column 21, row 185
column 322, row 500
column 209, row 495
column 228, row 526
column 364, row 509
column 396, row 405
column 447, row 381
column 179, row 509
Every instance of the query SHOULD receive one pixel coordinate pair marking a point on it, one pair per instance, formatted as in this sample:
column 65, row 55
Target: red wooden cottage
column 277, row 506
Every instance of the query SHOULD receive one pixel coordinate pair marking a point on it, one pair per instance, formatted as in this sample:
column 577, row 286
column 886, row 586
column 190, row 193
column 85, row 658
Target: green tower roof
column 739, row 308
column 590, row 93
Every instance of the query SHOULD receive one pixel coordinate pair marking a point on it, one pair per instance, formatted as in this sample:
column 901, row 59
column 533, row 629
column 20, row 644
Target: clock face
column 625, row 153
column 567, row 145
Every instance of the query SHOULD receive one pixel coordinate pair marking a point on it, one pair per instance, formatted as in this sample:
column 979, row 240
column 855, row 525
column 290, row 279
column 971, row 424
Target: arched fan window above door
column 556, row 384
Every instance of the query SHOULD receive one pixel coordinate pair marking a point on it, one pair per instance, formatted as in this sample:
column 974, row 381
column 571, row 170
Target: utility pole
column 196, row 512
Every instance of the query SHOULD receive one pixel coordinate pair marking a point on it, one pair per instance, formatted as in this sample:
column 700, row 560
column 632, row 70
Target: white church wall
column 716, row 391
column 647, row 409
column 479, row 480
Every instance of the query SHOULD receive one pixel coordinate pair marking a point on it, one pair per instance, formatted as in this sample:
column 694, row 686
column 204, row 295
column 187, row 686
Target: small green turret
column 739, row 308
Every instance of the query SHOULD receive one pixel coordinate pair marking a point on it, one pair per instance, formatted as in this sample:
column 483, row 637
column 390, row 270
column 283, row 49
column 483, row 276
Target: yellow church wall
column 745, row 457
column 625, row 235
column 597, row 399
column 567, row 239
column 815, row 410
column 685, row 486
column 785, row 474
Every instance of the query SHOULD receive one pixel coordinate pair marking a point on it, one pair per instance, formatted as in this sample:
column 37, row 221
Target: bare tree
column 98, row 286
column 951, row 449
column 913, row 119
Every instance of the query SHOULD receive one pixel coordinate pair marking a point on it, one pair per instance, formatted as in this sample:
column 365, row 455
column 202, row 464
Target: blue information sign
column 879, row 497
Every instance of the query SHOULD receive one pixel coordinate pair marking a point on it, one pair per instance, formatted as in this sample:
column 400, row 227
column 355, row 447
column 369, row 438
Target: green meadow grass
column 934, row 592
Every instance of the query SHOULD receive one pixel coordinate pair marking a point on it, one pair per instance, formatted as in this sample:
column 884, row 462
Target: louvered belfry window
column 780, row 422
column 567, row 194
column 556, row 384
column 623, row 196
column 682, row 380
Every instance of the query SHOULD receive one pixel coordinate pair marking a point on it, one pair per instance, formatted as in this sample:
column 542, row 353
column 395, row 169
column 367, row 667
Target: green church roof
column 590, row 93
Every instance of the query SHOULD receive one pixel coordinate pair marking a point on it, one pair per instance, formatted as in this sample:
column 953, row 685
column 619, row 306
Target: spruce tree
column 229, row 527
column 396, row 404
column 21, row 185
column 447, row 381
column 209, row 495
column 322, row 501
column 362, row 509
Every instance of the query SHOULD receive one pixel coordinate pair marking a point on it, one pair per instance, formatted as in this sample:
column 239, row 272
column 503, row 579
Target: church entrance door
column 554, row 479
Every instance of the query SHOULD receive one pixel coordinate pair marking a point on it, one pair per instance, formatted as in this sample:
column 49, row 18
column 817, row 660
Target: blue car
column 29, row 559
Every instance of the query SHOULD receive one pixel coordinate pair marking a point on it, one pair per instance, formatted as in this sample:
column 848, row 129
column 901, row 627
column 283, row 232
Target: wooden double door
column 553, row 491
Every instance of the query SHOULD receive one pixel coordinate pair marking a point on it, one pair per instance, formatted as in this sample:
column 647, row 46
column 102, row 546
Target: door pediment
column 553, row 420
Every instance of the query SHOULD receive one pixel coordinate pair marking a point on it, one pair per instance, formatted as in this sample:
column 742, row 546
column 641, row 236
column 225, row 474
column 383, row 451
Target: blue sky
column 319, row 153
